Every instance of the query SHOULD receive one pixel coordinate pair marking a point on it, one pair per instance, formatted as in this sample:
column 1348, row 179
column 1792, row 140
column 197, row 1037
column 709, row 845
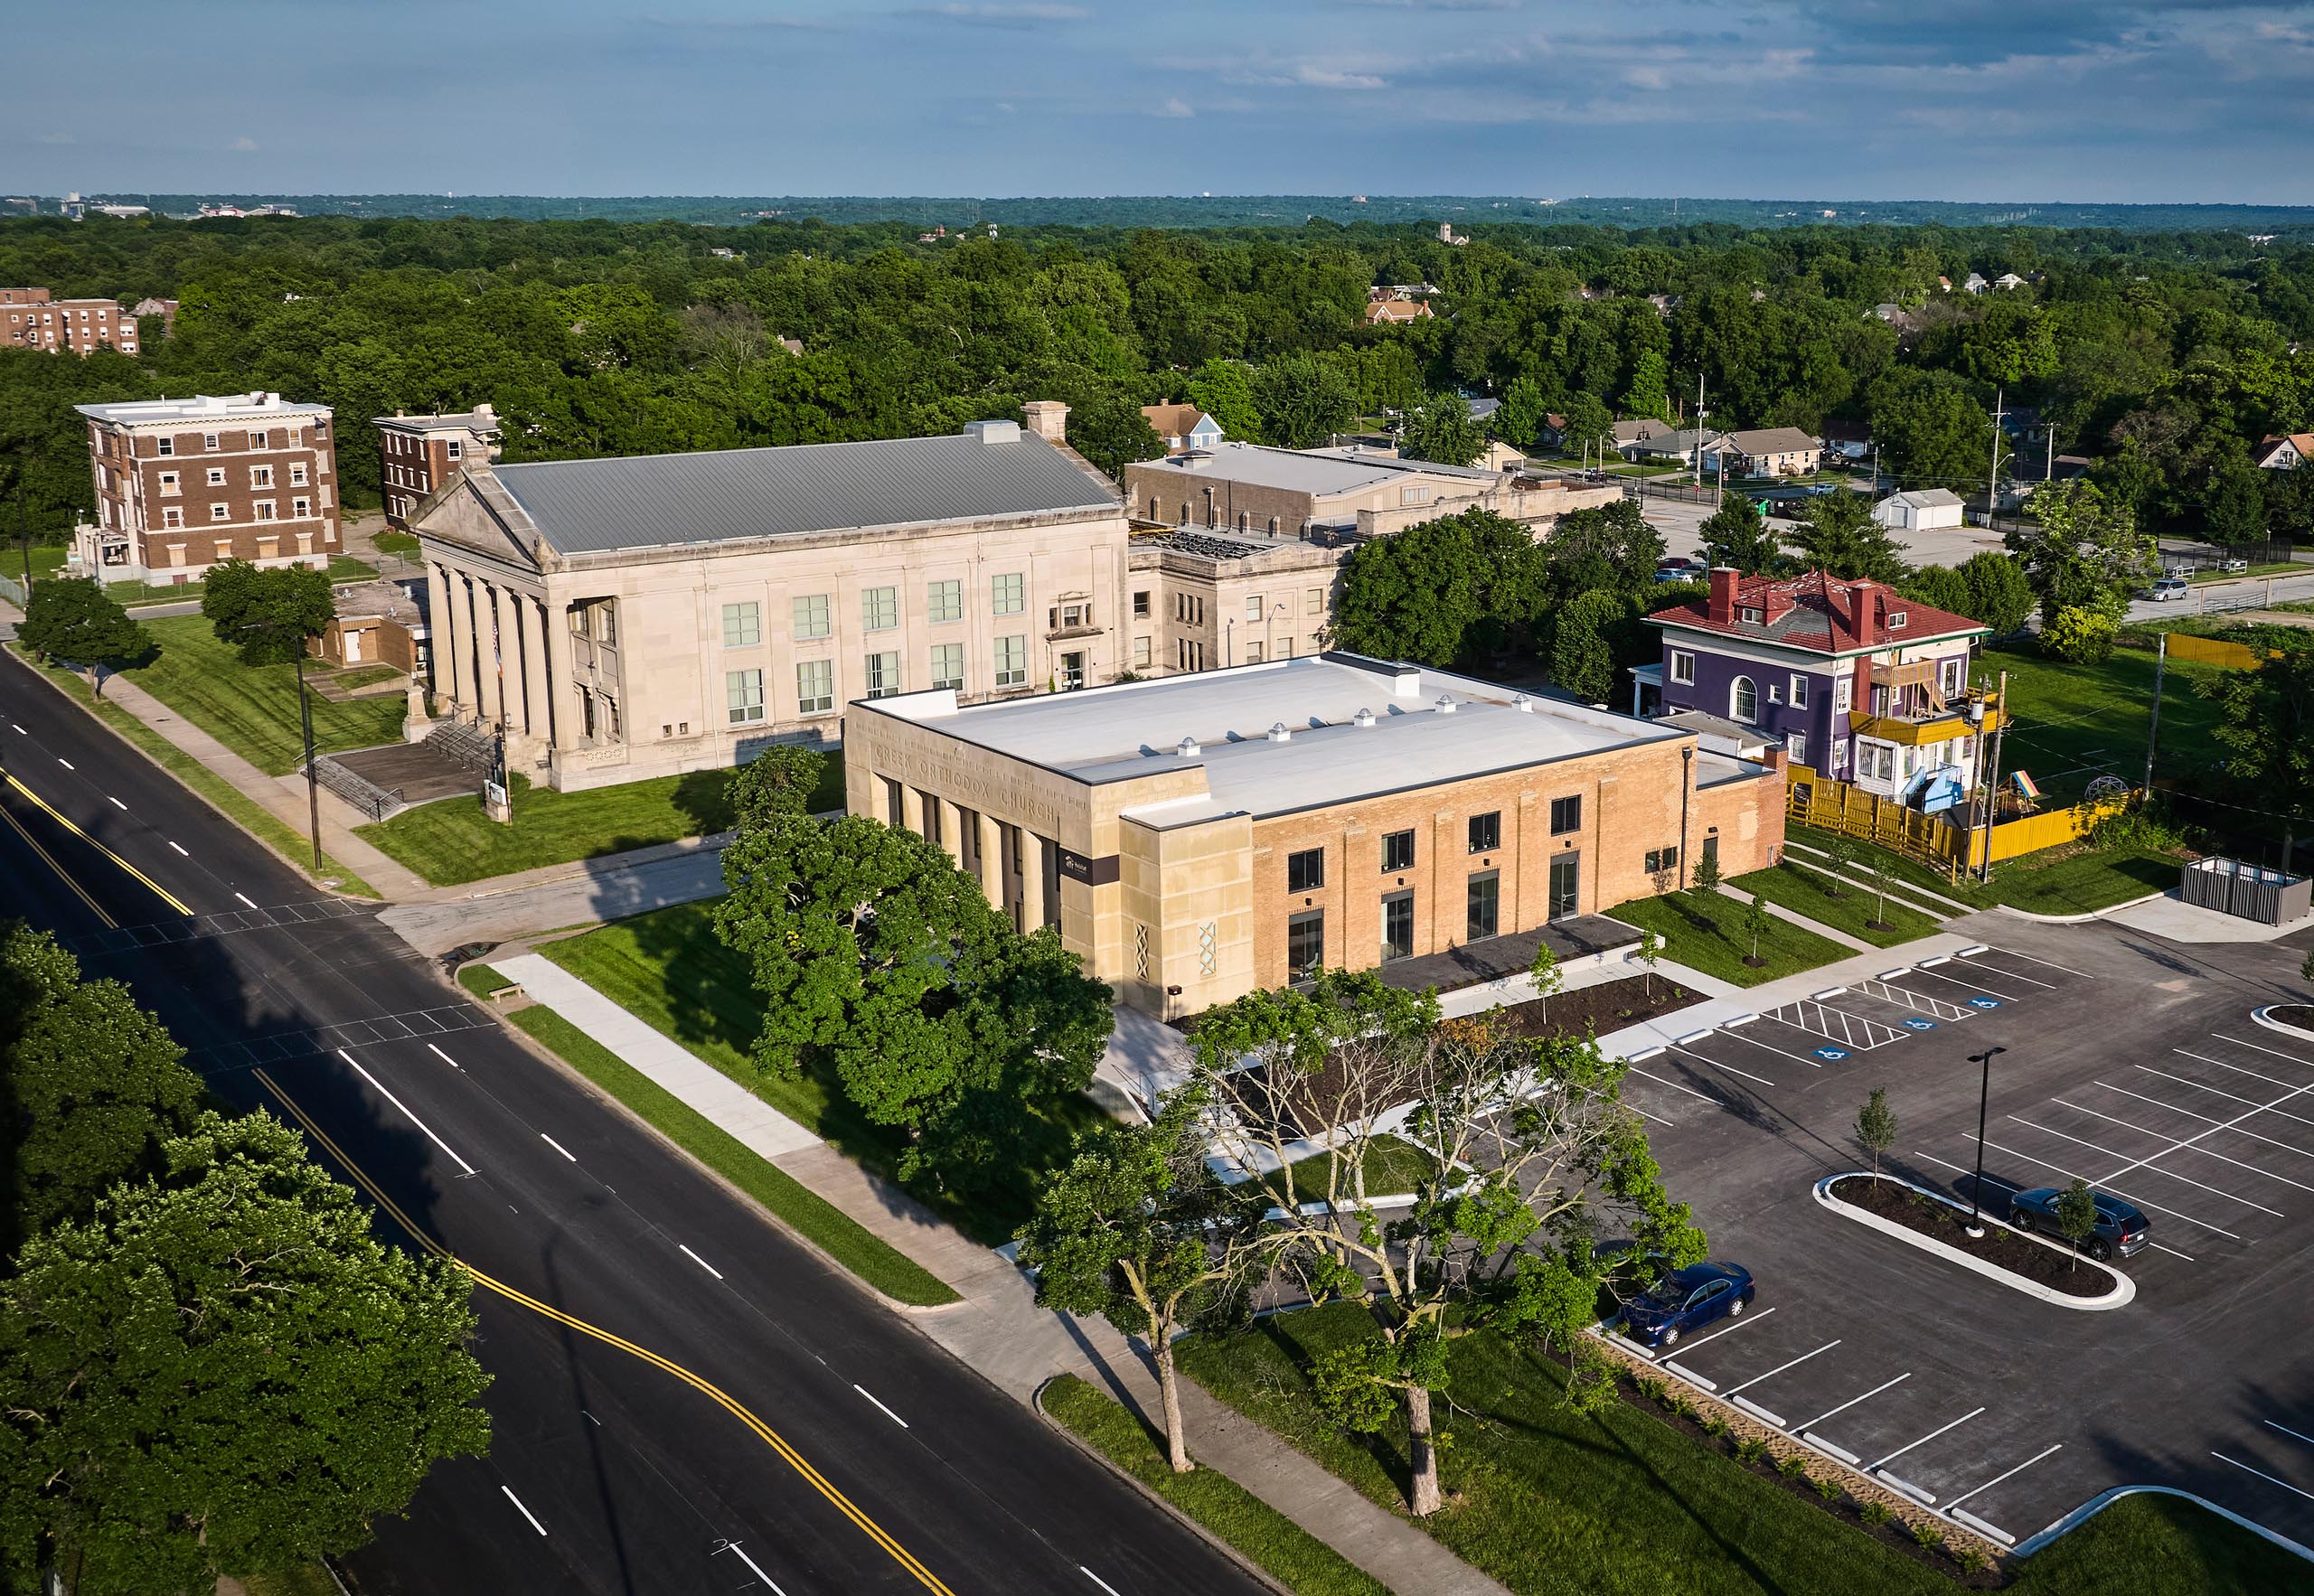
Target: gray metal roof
column 664, row 500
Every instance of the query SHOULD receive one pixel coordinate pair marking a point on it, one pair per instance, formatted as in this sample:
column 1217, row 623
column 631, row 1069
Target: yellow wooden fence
column 1842, row 806
column 2214, row 650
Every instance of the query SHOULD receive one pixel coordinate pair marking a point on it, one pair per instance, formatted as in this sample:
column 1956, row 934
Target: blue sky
column 1963, row 100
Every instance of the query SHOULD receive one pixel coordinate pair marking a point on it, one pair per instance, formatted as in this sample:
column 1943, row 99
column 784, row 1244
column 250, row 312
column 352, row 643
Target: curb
column 2264, row 1017
column 2075, row 919
column 2124, row 1288
column 2104, row 1499
column 1134, row 1483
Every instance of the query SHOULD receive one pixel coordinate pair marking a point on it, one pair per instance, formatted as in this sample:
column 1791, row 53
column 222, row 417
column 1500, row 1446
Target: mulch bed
column 2000, row 1246
column 1593, row 1010
column 2297, row 1014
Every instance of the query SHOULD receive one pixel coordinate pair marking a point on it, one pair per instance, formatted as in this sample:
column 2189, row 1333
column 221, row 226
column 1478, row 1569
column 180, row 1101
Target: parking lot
column 2129, row 1062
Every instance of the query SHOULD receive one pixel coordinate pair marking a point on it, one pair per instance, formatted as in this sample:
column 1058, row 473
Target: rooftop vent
column 1406, row 682
column 1278, row 734
column 1522, row 703
column 1363, row 718
column 1446, row 705
column 1186, row 748
column 993, row 432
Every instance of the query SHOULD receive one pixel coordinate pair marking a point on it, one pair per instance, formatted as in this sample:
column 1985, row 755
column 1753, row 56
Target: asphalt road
column 758, row 1423
column 2130, row 1062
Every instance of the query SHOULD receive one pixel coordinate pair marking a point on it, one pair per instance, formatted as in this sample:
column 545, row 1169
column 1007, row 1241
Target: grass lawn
column 48, row 560
column 1282, row 1548
column 293, row 845
column 2072, row 723
column 1703, row 932
column 2071, row 879
column 669, row 970
column 2283, row 567
column 253, row 709
column 402, row 543
column 805, row 1211
column 1803, row 892
column 1392, row 1167
column 1553, row 1501
column 453, row 841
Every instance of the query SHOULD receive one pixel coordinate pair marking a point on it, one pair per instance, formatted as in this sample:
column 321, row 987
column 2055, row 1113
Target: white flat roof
column 1134, row 729
column 201, row 407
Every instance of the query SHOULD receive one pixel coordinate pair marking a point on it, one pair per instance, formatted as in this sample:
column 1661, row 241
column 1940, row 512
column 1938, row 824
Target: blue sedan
column 1686, row 1300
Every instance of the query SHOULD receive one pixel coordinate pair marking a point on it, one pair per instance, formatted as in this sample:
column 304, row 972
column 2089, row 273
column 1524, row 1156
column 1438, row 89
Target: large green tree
column 223, row 1372
column 1736, row 534
column 72, row 620
column 1303, row 400
column 1461, row 587
column 1931, row 431
column 2081, row 549
column 1838, row 535
column 883, row 963
column 2266, row 727
column 93, row 1085
column 1440, row 428
column 1585, row 633
column 266, row 612
column 1518, row 421
column 1223, row 389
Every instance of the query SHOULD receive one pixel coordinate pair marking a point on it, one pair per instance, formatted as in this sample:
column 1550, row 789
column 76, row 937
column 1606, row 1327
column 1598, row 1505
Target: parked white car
column 2168, row 588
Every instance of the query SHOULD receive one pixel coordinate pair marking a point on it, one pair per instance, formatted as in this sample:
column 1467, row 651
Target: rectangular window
column 167, row 445
column 1567, row 815
column 1012, row 660
column 216, row 476
column 256, row 439
column 1683, row 668
column 880, row 609
column 1485, row 901
column 742, row 624
column 1140, row 604
column 1313, row 601
column 1305, row 871
column 1141, row 653
column 1795, row 745
column 1305, row 941
column 1659, row 859
column 948, row 665
column 219, row 512
column 1841, row 691
column 1949, row 677
column 1397, row 926
column 298, row 475
column 883, row 674
column 606, row 618
column 168, row 482
column 1798, row 692
column 811, row 612
column 1486, row 832
column 815, row 686
column 1253, row 654
column 944, row 601
column 1008, row 595
column 455, row 450
column 1398, row 852
column 1253, row 606
column 172, row 517
column 743, row 694
column 1566, row 877
column 301, row 508
column 260, row 476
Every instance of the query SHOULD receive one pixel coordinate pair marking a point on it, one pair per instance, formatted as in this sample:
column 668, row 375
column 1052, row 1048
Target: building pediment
column 472, row 512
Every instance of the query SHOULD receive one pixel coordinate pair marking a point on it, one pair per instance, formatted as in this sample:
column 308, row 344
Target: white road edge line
column 1097, row 1579
column 1779, row 1368
column 412, row 1117
column 245, row 899
column 525, row 1512
column 2286, row 1429
column 117, row 803
column 888, row 1412
column 733, row 1548
column 1852, row 1400
column 1924, row 1440
column 1997, row 1478
column 180, row 852
column 558, row 1147
column 2261, row 1474
column 686, row 1253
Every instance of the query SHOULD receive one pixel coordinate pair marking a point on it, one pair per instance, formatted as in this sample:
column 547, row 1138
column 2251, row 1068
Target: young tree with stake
column 1650, row 950
column 1704, row 878
column 1839, row 852
column 2076, row 1215
column 1755, row 926
column 1875, row 1126
column 1544, row 970
column 1883, row 877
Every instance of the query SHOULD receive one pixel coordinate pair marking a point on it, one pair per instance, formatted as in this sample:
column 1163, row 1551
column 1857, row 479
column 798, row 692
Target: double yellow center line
column 763, row 1431
column 57, row 815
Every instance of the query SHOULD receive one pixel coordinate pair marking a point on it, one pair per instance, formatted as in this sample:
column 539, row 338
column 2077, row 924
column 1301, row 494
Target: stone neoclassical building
column 626, row 618
column 1194, row 837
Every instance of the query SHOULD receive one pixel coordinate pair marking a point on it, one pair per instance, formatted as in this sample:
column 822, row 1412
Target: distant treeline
column 2162, row 355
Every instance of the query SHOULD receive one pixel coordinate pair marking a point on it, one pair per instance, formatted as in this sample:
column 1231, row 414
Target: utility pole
column 2049, row 471
column 1698, row 426
column 2153, row 732
column 1993, row 477
column 1992, row 787
column 313, row 778
column 25, row 536
column 1875, row 470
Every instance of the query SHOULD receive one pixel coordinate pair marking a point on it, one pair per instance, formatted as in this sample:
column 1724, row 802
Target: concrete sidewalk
column 998, row 1330
column 506, row 908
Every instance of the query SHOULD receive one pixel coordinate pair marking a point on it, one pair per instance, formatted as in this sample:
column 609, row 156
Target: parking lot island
column 1999, row 1240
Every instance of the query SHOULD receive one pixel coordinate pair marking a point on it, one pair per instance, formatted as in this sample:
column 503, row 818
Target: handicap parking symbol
column 1920, row 1025
column 1984, row 1002
column 1831, row 1054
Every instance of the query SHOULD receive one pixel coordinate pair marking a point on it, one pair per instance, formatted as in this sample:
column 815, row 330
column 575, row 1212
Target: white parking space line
column 1852, row 1400
column 67, row 764
column 1779, row 1368
column 1690, row 1091
column 1730, row 1068
column 2204, row 1119
column 2280, row 1113
column 2013, row 954
column 245, row 899
column 2286, row 1097
column 1988, row 990
column 2141, row 1202
column 2262, row 1048
column 2006, row 1186
column 2187, row 1146
column 1097, row 1579
column 445, row 1057
column 2105, row 1180
column 1749, row 1318
column 1924, row 1440
column 1762, row 1047
column 2173, row 1251
column 2047, row 986
column 2286, row 1429
column 412, row 1117
column 180, row 852
column 1997, row 1478
column 2261, row 1474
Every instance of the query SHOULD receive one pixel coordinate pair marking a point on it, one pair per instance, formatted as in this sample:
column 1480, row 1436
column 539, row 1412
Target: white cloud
column 1006, row 13
column 1173, row 107
column 54, row 138
column 1316, row 76
column 243, row 143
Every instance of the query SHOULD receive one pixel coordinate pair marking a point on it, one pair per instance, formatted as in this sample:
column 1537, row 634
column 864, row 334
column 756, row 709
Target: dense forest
column 2162, row 356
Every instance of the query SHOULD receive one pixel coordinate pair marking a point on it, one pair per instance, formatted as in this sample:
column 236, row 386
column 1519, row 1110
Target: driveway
column 2131, row 1061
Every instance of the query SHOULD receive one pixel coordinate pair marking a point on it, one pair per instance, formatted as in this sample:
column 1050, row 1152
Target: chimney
column 1864, row 611
column 1048, row 419
column 1722, row 605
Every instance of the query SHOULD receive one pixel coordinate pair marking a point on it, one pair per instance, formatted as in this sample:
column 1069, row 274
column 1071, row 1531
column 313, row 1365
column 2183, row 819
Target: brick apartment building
column 31, row 319
column 418, row 454
column 182, row 484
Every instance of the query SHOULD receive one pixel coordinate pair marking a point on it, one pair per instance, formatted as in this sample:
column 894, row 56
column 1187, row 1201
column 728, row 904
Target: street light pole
column 313, row 781
column 1984, row 1095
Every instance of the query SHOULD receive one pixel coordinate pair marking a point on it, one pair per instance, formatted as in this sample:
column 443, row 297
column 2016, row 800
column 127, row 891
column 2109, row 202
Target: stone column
column 538, row 682
column 911, row 815
column 991, row 852
column 443, row 655
column 488, row 652
column 952, row 831
column 1043, row 873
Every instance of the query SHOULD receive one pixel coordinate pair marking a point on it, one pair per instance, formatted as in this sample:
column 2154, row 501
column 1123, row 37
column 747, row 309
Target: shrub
column 1715, row 1426
column 1751, row 1448
column 1826, row 1487
column 1792, row 1465
column 1875, row 1512
column 2079, row 636
column 1975, row 1560
column 2147, row 828
column 1925, row 1536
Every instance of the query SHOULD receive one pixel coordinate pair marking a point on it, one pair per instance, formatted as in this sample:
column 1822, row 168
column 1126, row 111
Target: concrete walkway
column 506, row 908
column 1794, row 917
column 998, row 1330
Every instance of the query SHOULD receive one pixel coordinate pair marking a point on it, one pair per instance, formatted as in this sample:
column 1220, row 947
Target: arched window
column 1744, row 700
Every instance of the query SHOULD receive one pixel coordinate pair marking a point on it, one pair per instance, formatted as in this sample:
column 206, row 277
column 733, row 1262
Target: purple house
column 1852, row 679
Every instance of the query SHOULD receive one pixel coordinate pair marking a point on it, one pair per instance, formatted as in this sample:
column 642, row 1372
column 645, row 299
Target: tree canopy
column 74, row 620
column 1838, row 535
column 2082, row 550
column 266, row 612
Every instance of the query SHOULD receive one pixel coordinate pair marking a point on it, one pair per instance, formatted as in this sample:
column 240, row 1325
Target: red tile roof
column 1817, row 612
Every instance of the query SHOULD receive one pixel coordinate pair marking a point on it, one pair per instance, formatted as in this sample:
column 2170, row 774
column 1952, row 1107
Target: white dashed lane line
column 525, row 1512
column 115, row 802
column 180, row 852
column 686, row 1253
column 558, row 1147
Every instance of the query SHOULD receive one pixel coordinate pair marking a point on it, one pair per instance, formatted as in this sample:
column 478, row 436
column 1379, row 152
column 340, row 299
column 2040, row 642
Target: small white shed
column 1919, row 511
